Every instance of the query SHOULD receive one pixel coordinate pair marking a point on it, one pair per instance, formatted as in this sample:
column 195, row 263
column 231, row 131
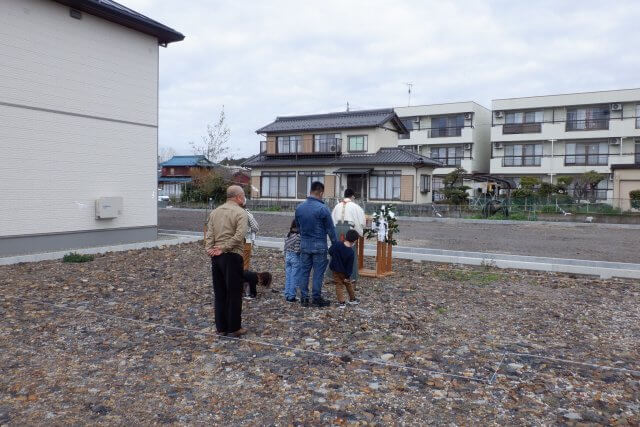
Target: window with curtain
column 425, row 183
column 322, row 143
column 446, row 126
column 522, row 155
column 263, row 146
column 357, row 143
column 450, row 156
column 590, row 118
column 384, row 185
column 638, row 152
column 518, row 117
column 586, row 153
column 278, row 184
column 289, row 144
column 637, row 116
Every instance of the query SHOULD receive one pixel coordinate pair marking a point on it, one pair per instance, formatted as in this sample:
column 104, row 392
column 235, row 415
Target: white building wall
column 67, row 88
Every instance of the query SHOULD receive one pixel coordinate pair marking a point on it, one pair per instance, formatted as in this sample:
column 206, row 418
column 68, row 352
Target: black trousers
column 226, row 272
column 251, row 278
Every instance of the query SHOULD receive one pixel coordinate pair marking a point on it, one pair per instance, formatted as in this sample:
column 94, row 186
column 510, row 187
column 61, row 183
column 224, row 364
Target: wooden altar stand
column 383, row 261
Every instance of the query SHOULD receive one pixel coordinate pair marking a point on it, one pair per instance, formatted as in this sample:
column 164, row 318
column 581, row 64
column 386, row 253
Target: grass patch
column 76, row 257
column 441, row 310
column 480, row 278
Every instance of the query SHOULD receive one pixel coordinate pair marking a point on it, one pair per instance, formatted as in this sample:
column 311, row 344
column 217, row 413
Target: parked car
column 163, row 198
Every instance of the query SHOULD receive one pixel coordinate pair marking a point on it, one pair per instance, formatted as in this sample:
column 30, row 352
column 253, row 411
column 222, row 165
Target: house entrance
column 358, row 183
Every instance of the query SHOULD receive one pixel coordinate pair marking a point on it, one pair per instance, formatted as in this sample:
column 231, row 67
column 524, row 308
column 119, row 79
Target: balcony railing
column 513, row 128
column 509, row 161
column 449, row 161
column 589, row 124
column 586, row 159
column 445, row 132
column 327, row 146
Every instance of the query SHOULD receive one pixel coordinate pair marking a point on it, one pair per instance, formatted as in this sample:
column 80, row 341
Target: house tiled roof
column 335, row 121
column 385, row 156
column 188, row 161
column 115, row 12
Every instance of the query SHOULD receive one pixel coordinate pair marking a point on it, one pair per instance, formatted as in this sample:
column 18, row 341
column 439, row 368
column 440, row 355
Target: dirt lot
column 587, row 241
column 128, row 339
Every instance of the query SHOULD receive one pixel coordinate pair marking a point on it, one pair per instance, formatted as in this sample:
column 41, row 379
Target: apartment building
column 351, row 149
column 454, row 134
column 79, row 127
column 569, row 134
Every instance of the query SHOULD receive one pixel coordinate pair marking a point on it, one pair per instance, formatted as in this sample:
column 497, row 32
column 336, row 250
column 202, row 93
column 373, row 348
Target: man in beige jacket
column 224, row 243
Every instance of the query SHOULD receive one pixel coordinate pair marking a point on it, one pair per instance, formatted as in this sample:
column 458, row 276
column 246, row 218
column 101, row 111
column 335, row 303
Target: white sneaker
column 354, row 301
column 342, row 305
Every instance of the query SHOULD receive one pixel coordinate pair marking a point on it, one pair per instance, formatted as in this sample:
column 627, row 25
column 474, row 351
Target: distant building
column 79, row 127
column 352, row 149
column 177, row 172
column 554, row 135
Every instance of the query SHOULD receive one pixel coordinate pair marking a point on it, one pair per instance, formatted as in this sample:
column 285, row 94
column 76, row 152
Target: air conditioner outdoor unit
column 468, row 116
column 333, row 148
column 616, row 107
column 614, row 141
column 499, row 114
column 497, row 145
column 467, row 146
column 108, row 207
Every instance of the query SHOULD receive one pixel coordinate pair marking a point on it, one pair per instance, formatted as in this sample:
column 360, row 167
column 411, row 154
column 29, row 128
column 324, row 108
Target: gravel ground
column 431, row 344
column 587, row 241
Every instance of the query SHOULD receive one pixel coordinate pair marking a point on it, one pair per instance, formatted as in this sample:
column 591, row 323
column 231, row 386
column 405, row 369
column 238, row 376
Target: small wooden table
column 384, row 253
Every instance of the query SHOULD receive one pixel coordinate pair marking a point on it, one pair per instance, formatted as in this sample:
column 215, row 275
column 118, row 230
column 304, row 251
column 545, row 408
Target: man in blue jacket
column 315, row 224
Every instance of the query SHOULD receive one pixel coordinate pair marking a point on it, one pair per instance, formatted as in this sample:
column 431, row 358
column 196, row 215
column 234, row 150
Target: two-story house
column 455, row 134
column 176, row 172
column 555, row 135
column 351, row 149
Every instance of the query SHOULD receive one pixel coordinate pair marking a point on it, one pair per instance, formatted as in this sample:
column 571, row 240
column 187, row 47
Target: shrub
column 76, row 257
column 635, row 199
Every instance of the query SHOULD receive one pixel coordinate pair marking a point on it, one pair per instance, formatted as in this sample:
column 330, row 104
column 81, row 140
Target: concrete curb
column 170, row 240
column 603, row 269
column 470, row 221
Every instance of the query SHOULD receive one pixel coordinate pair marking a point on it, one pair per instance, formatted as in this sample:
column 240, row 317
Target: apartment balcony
column 521, row 161
column 586, row 125
column 516, row 128
column 444, row 132
column 328, row 147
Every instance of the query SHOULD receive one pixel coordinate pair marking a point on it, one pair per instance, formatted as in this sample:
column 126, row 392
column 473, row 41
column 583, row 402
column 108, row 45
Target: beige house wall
column 624, row 181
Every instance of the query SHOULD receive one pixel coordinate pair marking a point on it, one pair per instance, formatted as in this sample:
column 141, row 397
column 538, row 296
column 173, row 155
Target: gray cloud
column 263, row 59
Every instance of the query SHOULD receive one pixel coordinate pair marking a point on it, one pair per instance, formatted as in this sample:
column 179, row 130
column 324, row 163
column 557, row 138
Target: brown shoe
column 237, row 333
column 265, row 279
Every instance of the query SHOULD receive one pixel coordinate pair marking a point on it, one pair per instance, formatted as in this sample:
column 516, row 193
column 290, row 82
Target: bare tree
column 165, row 153
column 214, row 144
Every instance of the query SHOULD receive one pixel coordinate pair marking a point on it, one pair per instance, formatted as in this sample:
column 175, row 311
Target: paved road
column 587, row 241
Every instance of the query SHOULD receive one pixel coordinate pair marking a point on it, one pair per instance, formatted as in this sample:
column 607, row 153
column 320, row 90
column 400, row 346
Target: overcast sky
column 261, row 59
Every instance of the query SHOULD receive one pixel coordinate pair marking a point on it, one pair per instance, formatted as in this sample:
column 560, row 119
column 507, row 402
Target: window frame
column 326, row 139
column 537, row 158
column 590, row 123
column 279, row 175
column 311, row 177
column 425, row 183
column 281, row 138
column 637, row 116
column 457, row 160
column 454, row 123
column 263, row 146
column 365, row 143
column 637, row 153
column 586, row 154
column 377, row 176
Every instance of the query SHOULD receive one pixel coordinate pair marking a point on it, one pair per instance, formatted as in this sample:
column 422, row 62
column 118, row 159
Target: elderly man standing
column 224, row 242
column 348, row 215
column 315, row 224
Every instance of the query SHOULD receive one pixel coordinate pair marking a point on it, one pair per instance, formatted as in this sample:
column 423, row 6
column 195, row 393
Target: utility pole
column 409, row 86
column 347, row 106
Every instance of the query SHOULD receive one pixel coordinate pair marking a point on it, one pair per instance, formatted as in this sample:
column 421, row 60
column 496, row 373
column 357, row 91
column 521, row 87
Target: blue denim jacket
column 315, row 224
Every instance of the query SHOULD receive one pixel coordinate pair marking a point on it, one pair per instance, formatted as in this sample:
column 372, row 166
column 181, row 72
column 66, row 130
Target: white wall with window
column 280, row 185
column 384, row 185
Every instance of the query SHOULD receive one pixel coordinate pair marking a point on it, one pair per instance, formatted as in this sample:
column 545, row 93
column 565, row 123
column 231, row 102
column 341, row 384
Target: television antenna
column 409, row 86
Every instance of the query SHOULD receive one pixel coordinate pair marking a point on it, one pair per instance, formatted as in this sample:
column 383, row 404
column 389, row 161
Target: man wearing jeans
column 315, row 224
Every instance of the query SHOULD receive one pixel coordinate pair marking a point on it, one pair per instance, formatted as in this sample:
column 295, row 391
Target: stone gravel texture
column 588, row 241
column 128, row 339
